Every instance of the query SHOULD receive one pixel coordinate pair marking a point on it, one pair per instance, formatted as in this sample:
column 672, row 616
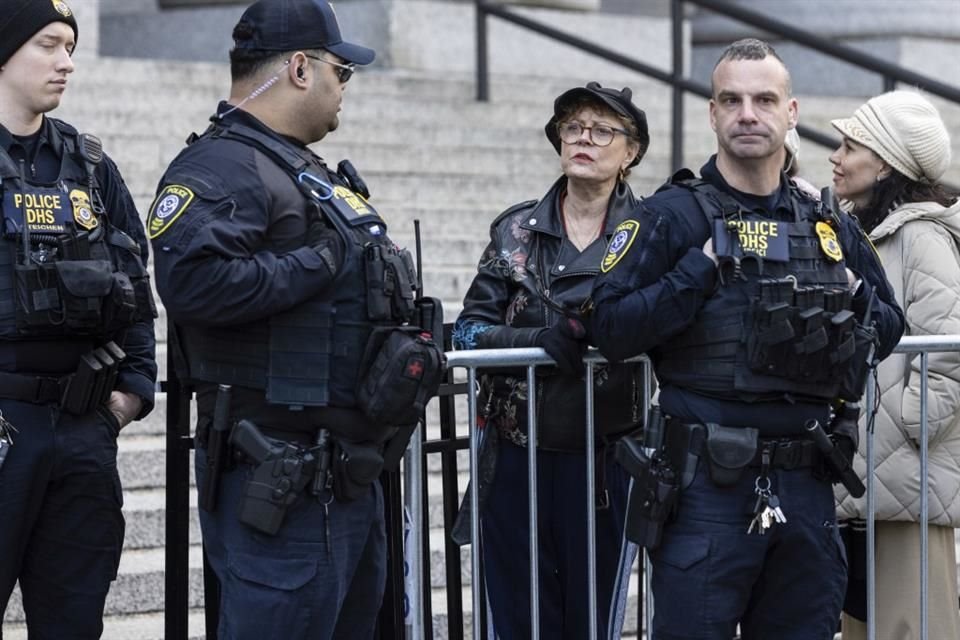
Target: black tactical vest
column 779, row 323
column 312, row 354
column 65, row 271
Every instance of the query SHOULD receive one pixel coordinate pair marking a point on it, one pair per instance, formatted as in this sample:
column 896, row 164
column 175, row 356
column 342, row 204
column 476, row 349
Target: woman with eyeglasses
column 531, row 281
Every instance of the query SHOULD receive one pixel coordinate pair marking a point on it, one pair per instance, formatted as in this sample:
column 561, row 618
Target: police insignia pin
column 82, row 211
column 61, row 7
column 623, row 237
column 829, row 242
column 170, row 203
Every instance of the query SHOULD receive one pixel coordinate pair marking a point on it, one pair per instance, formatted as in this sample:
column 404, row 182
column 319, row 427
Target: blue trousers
column 61, row 526
column 299, row 584
column 709, row 575
column 561, row 483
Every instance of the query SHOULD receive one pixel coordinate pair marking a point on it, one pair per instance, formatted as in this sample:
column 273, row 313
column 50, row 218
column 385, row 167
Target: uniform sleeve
column 932, row 307
column 138, row 372
column 482, row 323
column 213, row 264
column 862, row 259
column 655, row 288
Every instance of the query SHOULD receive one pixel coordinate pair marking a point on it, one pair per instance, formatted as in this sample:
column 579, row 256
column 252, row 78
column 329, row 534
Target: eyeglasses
column 344, row 71
column 600, row 134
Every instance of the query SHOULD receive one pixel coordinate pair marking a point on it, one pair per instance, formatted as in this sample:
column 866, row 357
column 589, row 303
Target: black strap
column 788, row 453
column 32, row 389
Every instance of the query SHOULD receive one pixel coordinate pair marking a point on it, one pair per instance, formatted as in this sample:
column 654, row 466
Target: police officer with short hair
column 77, row 359
column 279, row 276
column 759, row 307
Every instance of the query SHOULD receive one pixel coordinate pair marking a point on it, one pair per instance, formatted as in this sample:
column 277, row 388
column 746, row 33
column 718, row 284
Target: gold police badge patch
column 82, row 211
column 169, row 205
column 829, row 242
column 61, row 7
column 623, row 237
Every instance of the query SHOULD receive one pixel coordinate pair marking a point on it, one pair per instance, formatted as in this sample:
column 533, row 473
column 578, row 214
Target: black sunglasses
column 344, row 71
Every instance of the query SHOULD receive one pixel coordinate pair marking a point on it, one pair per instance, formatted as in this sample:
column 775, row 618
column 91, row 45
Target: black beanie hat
column 21, row 19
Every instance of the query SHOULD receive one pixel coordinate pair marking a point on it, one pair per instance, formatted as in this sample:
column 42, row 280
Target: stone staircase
column 428, row 151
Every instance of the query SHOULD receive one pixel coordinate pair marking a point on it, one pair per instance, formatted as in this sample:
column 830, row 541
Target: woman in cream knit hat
column 895, row 150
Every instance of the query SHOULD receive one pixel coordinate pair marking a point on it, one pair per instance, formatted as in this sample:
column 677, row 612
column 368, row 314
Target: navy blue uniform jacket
column 659, row 285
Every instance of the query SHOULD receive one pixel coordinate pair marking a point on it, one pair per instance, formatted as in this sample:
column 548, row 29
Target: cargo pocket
column 680, row 568
column 259, row 594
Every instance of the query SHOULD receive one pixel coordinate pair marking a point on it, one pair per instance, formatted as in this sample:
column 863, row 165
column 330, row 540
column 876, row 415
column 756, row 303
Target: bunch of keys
column 766, row 511
column 6, row 438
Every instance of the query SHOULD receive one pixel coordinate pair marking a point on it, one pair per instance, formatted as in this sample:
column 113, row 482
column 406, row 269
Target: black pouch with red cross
column 401, row 377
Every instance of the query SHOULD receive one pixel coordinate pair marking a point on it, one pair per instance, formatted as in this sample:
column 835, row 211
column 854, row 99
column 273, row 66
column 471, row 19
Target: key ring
column 756, row 484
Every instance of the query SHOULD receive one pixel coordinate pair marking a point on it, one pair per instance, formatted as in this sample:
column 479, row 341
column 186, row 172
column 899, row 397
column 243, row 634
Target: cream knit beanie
column 904, row 129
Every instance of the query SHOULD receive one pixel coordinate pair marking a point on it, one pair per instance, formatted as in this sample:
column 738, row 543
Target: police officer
column 753, row 302
column 77, row 357
column 278, row 272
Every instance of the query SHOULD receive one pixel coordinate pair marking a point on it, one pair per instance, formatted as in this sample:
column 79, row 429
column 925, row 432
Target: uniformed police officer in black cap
column 277, row 271
column 760, row 307
column 76, row 335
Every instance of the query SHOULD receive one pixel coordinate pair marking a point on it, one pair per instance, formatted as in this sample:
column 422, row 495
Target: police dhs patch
column 169, row 205
column 623, row 237
column 829, row 242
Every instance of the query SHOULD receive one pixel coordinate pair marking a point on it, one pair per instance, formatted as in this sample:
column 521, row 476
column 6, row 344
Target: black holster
column 283, row 470
column 654, row 492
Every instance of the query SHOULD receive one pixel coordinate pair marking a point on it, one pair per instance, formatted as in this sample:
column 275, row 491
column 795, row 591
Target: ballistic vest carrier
column 65, row 270
column 780, row 322
column 311, row 355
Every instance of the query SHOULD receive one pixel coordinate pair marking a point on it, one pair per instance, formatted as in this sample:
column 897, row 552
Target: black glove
column 326, row 242
column 565, row 343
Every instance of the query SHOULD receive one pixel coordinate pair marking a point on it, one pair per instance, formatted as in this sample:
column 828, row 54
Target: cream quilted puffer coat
column 917, row 244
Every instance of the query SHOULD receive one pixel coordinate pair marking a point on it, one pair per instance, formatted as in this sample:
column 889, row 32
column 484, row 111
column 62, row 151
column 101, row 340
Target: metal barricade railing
column 923, row 345
column 530, row 358
column 179, row 445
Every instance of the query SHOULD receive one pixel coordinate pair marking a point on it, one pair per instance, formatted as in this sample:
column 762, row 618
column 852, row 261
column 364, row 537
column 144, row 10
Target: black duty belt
column 32, row 389
column 786, row 453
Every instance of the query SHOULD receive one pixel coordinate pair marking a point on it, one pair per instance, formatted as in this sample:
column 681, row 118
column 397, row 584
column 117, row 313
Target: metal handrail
column 891, row 73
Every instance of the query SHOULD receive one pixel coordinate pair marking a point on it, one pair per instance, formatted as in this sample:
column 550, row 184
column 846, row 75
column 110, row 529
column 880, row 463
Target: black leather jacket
column 529, row 258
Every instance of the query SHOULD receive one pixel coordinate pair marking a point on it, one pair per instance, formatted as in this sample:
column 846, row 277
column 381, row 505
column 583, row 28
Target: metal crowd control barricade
column 922, row 345
column 530, row 358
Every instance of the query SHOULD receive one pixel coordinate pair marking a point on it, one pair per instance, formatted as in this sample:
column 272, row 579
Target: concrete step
column 139, row 586
column 143, row 626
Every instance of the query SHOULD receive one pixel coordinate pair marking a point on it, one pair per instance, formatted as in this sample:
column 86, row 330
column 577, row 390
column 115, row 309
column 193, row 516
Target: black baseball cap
column 621, row 102
column 290, row 25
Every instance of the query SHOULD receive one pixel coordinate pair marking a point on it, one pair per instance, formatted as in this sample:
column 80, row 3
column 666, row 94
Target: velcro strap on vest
column 32, row 389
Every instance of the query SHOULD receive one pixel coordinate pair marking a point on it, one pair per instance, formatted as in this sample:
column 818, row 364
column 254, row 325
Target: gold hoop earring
column 622, row 176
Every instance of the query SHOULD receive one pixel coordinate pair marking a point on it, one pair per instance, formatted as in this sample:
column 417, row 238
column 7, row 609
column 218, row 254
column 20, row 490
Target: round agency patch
column 170, row 203
column 623, row 237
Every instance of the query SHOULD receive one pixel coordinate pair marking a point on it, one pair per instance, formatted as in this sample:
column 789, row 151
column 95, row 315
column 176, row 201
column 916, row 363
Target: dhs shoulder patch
column 623, row 237
column 169, row 205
